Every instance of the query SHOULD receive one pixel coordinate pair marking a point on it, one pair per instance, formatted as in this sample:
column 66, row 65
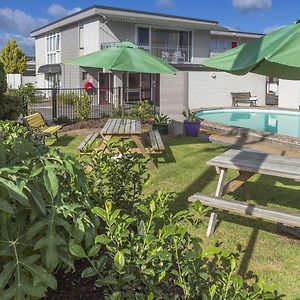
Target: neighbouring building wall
column 40, row 58
column 70, row 49
column 212, row 89
column 201, row 45
column 289, row 94
column 174, row 98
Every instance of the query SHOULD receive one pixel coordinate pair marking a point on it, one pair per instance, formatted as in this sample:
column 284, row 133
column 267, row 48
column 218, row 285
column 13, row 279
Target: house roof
column 130, row 15
column 240, row 34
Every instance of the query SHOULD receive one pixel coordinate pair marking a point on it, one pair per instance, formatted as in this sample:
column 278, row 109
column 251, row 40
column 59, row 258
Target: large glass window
column 53, row 48
column 172, row 46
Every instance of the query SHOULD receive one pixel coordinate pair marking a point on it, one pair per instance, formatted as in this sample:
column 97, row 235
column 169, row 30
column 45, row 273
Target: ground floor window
column 53, row 80
column 140, row 87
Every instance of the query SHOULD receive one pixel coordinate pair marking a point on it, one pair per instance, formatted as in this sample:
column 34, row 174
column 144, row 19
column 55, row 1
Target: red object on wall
column 88, row 85
column 234, row 44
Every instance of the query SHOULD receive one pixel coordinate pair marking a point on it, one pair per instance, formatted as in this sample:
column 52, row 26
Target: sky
column 19, row 17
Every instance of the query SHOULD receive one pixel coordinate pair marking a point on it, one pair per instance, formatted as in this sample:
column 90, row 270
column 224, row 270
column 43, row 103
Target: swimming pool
column 273, row 121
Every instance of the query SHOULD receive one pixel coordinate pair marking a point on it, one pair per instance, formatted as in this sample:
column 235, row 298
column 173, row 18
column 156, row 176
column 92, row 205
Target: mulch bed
column 94, row 123
column 72, row 287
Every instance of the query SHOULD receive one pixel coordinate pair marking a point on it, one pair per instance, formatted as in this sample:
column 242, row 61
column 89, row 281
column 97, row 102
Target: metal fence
column 65, row 103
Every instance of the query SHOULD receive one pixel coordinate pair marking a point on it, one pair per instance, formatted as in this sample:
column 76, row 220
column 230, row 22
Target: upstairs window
column 143, row 37
column 53, row 48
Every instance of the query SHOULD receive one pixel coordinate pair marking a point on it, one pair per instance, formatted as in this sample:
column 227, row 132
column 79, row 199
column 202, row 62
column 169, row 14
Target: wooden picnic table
column 125, row 128
column 249, row 163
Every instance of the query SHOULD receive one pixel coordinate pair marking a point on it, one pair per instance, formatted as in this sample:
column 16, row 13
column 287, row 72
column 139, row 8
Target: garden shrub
column 10, row 133
column 115, row 175
column 3, row 82
column 43, row 205
column 10, row 107
column 143, row 110
column 83, row 106
column 142, row 250
column 67, row 98
column 151, row 255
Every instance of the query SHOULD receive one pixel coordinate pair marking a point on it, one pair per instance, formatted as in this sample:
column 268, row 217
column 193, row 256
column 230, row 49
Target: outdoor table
column 125, row 128
column 249, row 163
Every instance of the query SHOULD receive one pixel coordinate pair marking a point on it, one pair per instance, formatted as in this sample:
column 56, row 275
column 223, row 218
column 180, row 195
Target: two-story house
column 182, row 41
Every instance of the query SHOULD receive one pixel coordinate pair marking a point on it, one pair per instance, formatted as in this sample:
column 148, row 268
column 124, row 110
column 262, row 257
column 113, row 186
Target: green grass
column 183, row 169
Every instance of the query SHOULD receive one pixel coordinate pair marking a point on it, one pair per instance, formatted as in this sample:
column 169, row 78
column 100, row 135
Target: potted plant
column 191, row 123
column 161, row 123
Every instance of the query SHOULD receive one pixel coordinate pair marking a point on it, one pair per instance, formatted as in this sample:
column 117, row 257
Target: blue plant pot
column 191, row 128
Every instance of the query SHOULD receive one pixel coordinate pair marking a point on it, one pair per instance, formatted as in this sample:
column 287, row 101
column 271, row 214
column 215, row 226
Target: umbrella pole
column 123, row 98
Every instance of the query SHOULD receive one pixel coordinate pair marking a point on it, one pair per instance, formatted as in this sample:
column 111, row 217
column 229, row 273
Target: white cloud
column 165, row 3
column 18, row 21
column 246, row 6
column 58, row 11
column 25, row 43
column 272, row 28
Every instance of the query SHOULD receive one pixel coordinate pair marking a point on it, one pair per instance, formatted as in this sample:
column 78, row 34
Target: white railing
column 170, row 54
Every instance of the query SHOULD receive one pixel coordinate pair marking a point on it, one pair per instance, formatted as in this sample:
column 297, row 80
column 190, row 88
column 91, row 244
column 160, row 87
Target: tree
column 13, row 58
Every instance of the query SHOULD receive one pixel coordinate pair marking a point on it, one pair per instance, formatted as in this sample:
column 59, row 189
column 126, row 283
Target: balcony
column 171, row 55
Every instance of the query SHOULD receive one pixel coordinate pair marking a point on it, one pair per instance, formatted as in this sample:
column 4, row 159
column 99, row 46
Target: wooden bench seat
column 244, row 97
column 88, row 141
column 156, row 141
column 248, row 209
column 37, row 125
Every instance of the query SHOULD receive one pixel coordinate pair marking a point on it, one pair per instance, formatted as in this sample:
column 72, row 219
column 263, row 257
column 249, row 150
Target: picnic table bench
column 88, row 141
column 244, row 97
column 38, row 126
column 248, row 163
column 126, row 128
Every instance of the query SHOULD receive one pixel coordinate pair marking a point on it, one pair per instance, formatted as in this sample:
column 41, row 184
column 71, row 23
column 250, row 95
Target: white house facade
column 183, row 42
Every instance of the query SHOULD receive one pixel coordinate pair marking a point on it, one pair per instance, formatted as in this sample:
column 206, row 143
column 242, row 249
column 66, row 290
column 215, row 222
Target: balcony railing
column 170, row 54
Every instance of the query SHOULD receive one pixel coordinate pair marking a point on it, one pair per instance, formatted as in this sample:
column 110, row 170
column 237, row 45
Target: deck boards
column 257, row 162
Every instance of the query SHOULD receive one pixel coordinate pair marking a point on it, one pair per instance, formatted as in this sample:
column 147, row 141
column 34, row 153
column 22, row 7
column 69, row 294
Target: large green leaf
column 14, row 191
column 51, row 182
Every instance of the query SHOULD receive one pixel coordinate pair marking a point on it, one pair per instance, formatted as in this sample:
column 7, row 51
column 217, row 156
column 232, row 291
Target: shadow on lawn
column 63, row 141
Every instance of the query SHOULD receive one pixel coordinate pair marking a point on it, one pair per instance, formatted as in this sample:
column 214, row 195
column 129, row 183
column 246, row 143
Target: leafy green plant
column 67, row 98
column 143, row 110
column 82, row 106
column 10, row 132
column 11, row 107
column 43, row 204
column 152, row 256
column 190, row 116
column 161, row 119
column 116, row 175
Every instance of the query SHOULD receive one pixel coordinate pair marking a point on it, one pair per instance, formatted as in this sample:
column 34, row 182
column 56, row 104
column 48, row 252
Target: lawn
column 183, row 170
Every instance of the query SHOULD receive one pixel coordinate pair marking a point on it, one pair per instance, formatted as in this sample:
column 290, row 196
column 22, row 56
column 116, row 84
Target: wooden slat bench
column 248, row 209
column 88, row 141
column 244, row 97
column 37, row 125
column 156, row 141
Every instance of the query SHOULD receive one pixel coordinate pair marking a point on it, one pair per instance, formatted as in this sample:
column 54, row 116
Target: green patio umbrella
column 276, row 54
column 125, row 57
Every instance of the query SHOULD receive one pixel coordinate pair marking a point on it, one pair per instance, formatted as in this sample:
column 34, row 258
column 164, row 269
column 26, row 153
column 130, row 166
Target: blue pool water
column 282, row 122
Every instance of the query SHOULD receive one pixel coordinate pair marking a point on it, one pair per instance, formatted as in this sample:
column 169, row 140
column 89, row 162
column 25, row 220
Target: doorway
column 105, row 88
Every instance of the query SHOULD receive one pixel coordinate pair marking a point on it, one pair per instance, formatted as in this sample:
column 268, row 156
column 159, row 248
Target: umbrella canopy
column 125, row 57
column 276, row 54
